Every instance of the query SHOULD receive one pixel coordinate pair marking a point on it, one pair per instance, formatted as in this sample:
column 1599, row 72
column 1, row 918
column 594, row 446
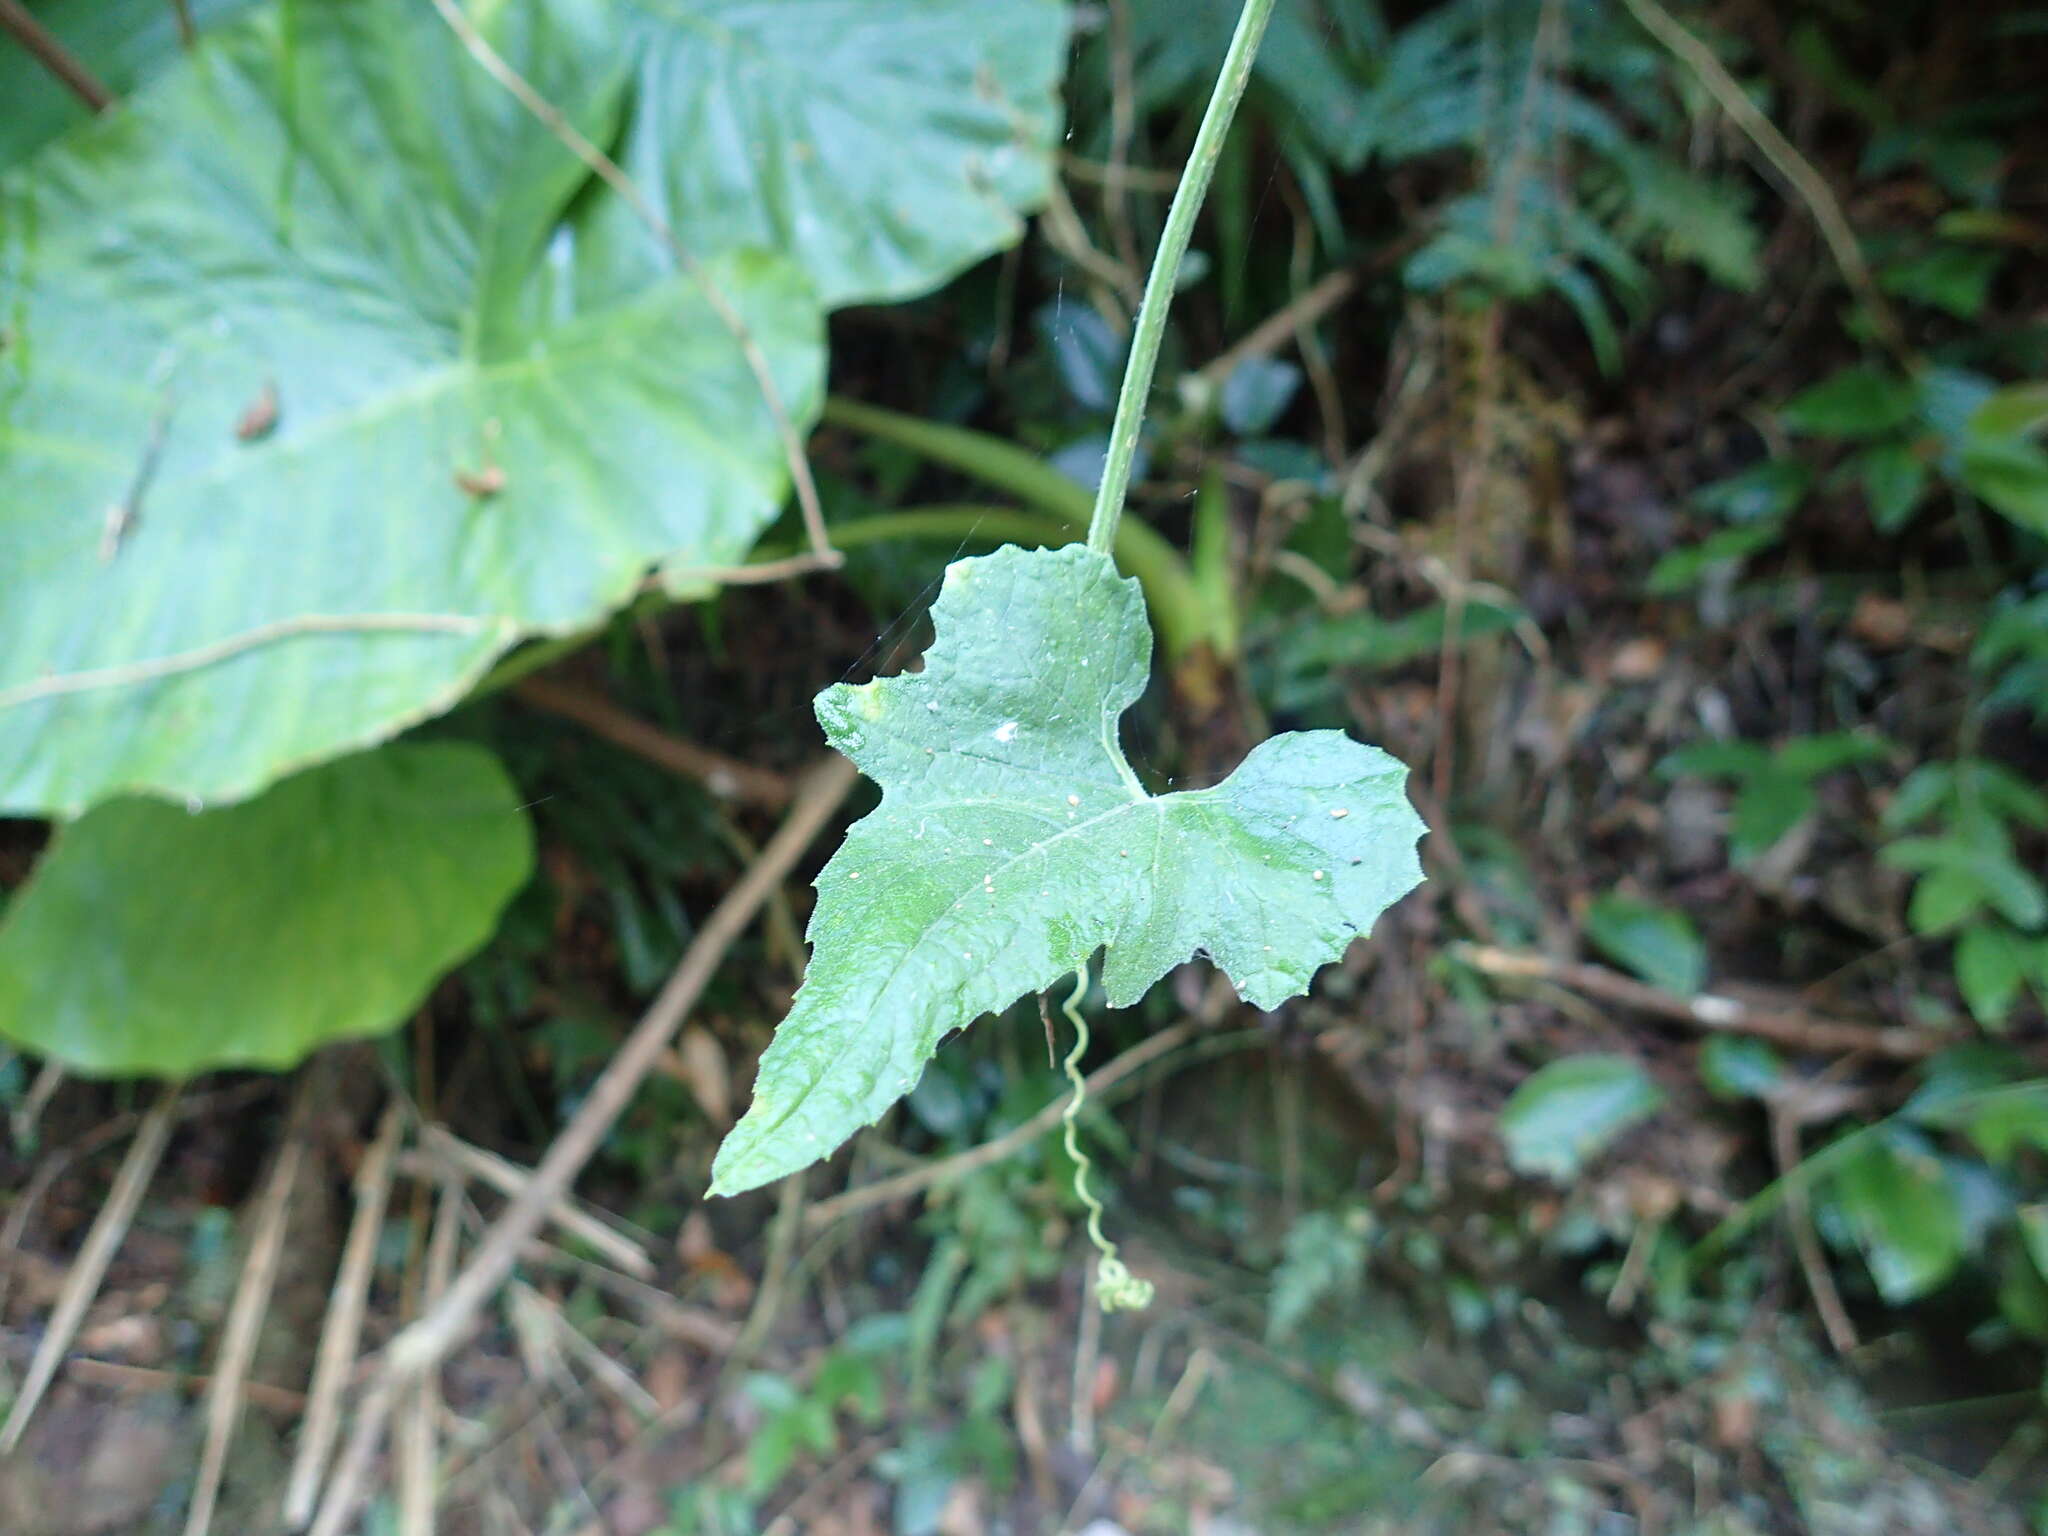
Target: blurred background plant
column 1629, row 414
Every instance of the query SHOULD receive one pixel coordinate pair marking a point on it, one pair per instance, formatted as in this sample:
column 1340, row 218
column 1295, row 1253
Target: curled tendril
column 1116, row 1288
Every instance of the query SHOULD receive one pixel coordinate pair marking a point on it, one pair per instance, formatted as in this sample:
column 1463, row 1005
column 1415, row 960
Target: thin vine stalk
column 1165, row 275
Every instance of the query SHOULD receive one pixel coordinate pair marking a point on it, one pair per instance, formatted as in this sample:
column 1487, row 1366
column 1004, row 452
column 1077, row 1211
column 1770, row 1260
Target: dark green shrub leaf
column 1955, row 278
column 1565, row 1113
column 2019, row 410
column 1896, row 1198
column 1013, row 841
column 1894, row 481
column 1739, row 1067
column 1942, row 898
column 1811, row 756
column 1857, row 402
column 153, row 941
column 1257, row 391
column 1990, row 963
column 2011, row 475
column 1680, row 570
column 1659, row 944
column 1771, row 804
column 1764, row 493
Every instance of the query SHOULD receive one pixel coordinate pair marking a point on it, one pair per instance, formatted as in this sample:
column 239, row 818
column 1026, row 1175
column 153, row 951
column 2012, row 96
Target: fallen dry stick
column 508, row 1179
column 90, row 1267
column 245, row 1319
column 726, row 777
column 342, row 1330
column 1795, row 1029
column 903, row 1185
column 424, row 1344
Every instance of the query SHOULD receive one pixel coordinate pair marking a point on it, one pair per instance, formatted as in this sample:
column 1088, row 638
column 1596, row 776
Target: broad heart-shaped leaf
column 1013, row 841
column 882, row 146
column 351, row 221
column 153, row 941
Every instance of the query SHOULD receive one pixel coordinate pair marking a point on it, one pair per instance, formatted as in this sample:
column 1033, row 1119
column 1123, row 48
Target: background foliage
column 1677, row 1157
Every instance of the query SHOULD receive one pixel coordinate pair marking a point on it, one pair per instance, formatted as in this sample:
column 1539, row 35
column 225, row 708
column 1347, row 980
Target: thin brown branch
column 20, row 23
column 90, row 1267
column 609, row 172
column 1784, row 157
column 1813, row 1263
column 341, row 1331
column 947, row 1169
column 426, row 1342
column 142, row 1378
column 1283, row 325
column 418, row 1444
column 726, row 777
column 510, row 1180
column 245, row 1316
column 1793, row 1028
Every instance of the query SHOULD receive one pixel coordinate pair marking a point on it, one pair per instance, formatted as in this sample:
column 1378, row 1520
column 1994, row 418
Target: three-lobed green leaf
column 1013, row 841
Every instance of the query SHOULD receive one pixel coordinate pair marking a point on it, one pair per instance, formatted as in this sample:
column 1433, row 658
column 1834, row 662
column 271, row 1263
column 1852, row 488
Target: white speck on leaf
column 1339, row 814
column 1073, row 799
column 1007, row 731
column 1318, row 875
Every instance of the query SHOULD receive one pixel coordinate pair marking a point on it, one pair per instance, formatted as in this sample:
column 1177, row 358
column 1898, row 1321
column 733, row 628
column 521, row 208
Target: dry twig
column 19, row 22
column 1790, row 1027
column 1285, row 324
column 1813, row 1263
column 510, row 1180
column 245, row 1316
column 425, row 1343
column 1785, row 159
column 90, row 1267
column 343, row 1327
column 726, row 777
column 932, row 1175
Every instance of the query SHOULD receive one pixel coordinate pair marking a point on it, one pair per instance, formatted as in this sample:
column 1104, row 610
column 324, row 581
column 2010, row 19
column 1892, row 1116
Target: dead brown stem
column 20, row 23
column 425, row 1343
column 726, row 777
column 1793, row 1028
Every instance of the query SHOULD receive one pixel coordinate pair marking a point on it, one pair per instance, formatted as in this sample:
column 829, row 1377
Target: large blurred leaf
column 150, row 940
column 122, row 42
column 311, row 404
column 883, row 146
column 1858, row 401
column 355, row 220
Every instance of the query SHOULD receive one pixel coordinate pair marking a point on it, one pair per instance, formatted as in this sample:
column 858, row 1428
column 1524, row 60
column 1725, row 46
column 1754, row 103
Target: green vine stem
column 1116, row 1288
column 1165, row 274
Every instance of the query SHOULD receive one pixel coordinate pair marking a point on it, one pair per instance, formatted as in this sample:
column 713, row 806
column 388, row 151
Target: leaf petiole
column 1165, row 274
